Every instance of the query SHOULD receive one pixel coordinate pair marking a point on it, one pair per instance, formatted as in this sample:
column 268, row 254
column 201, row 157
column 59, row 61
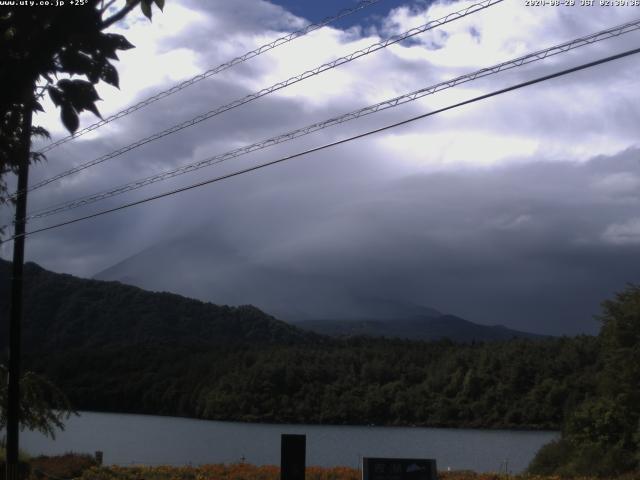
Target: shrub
column 550, row 458
column 69, row 465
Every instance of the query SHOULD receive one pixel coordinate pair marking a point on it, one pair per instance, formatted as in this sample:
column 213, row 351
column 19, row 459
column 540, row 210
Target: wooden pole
column 15, row 311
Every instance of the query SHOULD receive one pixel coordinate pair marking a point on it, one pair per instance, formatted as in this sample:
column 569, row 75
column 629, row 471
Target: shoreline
column 302, row 424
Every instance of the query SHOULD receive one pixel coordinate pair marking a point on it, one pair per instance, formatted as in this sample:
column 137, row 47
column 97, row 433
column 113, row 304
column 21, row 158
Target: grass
column 84, row 467
column 23, row 456
column 67, row 466
column 251, row 472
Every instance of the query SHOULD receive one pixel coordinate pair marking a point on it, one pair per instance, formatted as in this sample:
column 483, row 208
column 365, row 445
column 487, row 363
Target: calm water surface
column 129, row 439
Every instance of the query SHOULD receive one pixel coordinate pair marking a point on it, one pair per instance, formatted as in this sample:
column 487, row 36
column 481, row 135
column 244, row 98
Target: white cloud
column 576, row 118
column 441, row 150
column 619, row 183
column 627, row 233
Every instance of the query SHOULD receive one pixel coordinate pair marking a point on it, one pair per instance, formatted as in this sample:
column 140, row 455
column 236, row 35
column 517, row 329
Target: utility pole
column 15, row 311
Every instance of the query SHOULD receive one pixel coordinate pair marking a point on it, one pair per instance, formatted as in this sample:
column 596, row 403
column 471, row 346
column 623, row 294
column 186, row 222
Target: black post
column 293, row 457
column 15, row 311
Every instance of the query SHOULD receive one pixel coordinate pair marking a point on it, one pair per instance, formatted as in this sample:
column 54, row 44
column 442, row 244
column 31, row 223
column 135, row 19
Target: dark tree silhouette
column 43, row 406
column 601, row 435
column 40, row 44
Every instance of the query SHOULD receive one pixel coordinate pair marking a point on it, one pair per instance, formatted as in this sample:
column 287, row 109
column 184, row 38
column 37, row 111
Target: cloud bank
column 520, row 210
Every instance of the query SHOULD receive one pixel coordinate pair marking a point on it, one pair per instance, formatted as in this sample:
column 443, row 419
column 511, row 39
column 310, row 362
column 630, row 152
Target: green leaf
column 111, row 54
column 160, row 4
column 37, row 157
column 69, row 117
column 38, row 131
column 76, row 96
column 81, row 95
column 79, row 92
column 110, row 75
column 76, row 62
column 93, row 109
column 118, row 42
column 93, row 76
column 108, row 45
column 145, row 5
column 56, row 95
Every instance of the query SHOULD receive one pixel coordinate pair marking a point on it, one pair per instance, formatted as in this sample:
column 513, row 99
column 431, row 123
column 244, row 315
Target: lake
column 151, row 440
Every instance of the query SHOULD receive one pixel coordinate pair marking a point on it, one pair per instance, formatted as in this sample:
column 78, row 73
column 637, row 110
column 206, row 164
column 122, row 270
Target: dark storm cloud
column 522, row 245
column 528, row 242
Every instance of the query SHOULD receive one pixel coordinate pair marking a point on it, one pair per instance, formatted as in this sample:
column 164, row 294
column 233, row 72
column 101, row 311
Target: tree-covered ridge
column 602, row 435
column 114, row 347
column 433, row 327
column 63, row 312
column 517, row 384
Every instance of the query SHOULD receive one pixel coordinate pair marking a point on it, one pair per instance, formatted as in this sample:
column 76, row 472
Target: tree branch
column 104, row 8
column 120, row 15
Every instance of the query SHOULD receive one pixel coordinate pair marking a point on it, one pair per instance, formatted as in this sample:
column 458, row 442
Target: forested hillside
column 63, row 312
column 114, row 347
column 518, row 384
column 435, row 327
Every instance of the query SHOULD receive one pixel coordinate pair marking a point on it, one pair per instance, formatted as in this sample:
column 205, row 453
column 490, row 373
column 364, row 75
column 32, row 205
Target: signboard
column 292, row 457
column 398, row 469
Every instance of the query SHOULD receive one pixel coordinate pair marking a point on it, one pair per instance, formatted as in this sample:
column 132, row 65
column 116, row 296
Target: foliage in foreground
column 238, row 471
column 67, row 466
column 269, row 472
column 23, row 456
column 601, row 436
column 43, row 406
column 38, row 45
column 83, row 467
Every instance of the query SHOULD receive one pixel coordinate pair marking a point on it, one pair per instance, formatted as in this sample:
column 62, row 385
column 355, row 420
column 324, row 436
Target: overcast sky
column 520, row 210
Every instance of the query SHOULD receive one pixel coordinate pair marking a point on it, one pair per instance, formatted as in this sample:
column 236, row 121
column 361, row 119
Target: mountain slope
column 421, row 328
column 206, row 266
column 63, row 312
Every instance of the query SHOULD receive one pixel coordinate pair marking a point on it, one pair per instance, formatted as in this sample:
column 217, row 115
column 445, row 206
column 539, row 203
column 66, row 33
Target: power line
column 273, row 88
column 390, row 103
column 339, row 142
column 213, row 71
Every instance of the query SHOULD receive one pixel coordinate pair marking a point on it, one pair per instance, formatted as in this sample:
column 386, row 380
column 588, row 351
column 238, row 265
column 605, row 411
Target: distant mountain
column 202, row 265
column 422, row 328
column 206, row 267
column 65, row 312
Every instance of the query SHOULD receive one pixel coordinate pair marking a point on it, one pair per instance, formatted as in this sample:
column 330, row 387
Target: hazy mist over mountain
column 203, row 266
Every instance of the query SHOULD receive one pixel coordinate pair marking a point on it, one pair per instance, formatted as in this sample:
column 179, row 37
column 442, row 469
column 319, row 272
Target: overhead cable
column 273, row 88
column 213, row 71
column 384, row 105
column 333, row 144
